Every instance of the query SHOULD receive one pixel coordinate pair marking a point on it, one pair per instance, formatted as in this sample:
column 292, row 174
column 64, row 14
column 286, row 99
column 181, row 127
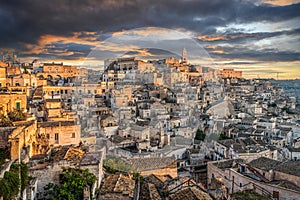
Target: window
column 48, row 136
column 73, row 135
column 56, row 137
column 276, row 194
column 18, row 105
column 66, row 91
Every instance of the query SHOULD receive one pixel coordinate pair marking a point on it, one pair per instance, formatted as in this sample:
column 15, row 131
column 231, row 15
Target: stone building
column 61, row 132
column 118, row 186
column 24, row 79
column 11, row 101
column 155, row 165
column 230, row 73
column 245, row 148
column 46, row 168
column 3, row 79
column 268, row 177
column 58, row 71
column 21, row 139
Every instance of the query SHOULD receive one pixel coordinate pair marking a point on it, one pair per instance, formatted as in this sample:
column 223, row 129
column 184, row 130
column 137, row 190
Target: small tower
column 14, row 58
column 183, row 57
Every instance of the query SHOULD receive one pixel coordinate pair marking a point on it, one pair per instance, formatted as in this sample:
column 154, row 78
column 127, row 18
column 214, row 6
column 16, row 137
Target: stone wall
column 23, row 138
column 235, row 181
column 288, row 177
column 169, row 170
column 248, row 157
column 46, row 175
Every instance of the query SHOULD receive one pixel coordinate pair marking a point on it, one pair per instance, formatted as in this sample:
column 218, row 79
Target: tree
column 4, row 121
column 200, row 135
column 16, row 115
column 223, row 137
column 72, row 183
column 12, row 116
column 113, row 164
column 10, row 184
column 4, row 154
column 24, row 173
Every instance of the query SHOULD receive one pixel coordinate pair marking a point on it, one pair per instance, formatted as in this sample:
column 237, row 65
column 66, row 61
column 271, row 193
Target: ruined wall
column 235, row 181
column 288, row 177
column 47, row 174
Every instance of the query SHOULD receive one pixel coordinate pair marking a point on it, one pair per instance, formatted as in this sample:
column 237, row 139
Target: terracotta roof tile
column 118, row 183
column 145, row 164
column 264, row 163
column 190, row 193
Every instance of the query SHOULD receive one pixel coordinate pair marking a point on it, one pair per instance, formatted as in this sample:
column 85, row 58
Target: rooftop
column 56, row 123
column 145, row 164
column 191, row 193
column 286, row 184
column 264, row 163
column 118, row 183
column 290, row 167
column 68, row 153
column 228, row 163
column 91, row 158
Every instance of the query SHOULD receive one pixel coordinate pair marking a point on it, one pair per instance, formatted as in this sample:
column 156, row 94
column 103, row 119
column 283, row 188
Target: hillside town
column 145, row 129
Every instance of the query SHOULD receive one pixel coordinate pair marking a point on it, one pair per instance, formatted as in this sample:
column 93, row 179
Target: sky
column 259, row 37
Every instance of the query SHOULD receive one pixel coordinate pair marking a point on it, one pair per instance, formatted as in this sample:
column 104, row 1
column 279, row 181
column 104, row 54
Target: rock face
column 222, row 109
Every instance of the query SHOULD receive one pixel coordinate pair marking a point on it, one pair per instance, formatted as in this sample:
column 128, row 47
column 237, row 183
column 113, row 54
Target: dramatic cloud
column 65, row 29
column 26, row 20
column 228, row 36
column 280, row 2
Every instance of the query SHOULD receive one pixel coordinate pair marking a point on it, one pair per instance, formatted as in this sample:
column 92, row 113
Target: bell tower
column 183, row 57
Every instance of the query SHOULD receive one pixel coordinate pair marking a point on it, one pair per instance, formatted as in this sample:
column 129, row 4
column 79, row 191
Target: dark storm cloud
column 236, row 37
column 24, row 21
column 70, row 47
column 265, row 55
